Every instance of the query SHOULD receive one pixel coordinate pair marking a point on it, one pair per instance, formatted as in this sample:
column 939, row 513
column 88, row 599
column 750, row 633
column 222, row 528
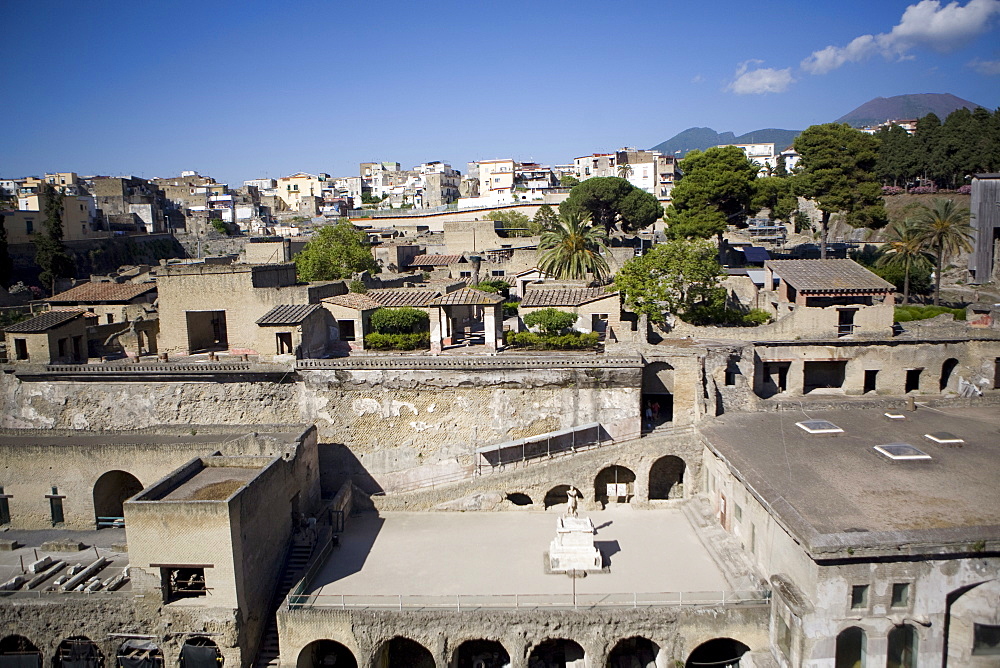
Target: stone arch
column 200, row 652
column 19, row 652
column 623, row 478
column 666, row 478
column 519, row 498
column 852, row 648
column 902, row 652
column 557, row 653
column 110, row 492
column 969, row 610
column 556, row 495
column 947, row 369
column 78, row 652
column 480, row 653
column 718, row 652
column 135, row 653
column 400, row 652
column 325, row 652
column 634, row 652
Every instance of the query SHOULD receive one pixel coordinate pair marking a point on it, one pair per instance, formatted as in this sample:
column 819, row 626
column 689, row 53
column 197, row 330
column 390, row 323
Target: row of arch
column 400, row 652
column 852, row 647
column 666, row 477
column 17, row 651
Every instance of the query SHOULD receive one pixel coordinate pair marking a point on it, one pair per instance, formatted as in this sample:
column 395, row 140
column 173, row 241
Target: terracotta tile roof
column 44, row 321
column 435, row 260
column 353, row 300
column 90, row 293
column 827, row 275
column 563, row 296
column 467, row 297
column 403, row 297
column 288, row 314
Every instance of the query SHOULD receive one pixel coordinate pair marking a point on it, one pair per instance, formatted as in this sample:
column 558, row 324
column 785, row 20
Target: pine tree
column 50, row 254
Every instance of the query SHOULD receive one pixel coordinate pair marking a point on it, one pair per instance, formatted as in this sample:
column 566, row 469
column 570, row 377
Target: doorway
column 870, row 376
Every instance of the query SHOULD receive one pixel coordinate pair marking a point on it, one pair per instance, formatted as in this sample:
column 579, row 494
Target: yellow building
column 291, row 189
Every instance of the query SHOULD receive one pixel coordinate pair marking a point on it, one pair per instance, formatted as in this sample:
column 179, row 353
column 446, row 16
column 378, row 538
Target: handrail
column 469, row 602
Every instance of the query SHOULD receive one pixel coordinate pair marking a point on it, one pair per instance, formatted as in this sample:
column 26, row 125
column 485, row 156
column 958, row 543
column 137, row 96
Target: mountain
column 703, row 138
column 882, row 109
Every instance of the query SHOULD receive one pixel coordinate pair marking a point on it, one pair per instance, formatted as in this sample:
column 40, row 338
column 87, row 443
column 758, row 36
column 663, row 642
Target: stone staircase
column 298, row 558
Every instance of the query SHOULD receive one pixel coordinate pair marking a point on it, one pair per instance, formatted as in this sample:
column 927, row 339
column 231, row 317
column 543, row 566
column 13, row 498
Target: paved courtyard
column 450, row 553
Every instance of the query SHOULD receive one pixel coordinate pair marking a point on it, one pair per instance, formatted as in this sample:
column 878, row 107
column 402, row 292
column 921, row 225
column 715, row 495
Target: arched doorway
column 852, row 646
column 556, row 495
column 519, row 499
column 718, row 652
column 556, row 653
column 481, row 654
column 110, row 492
column 403, row 653
column 902, row 647
column 326, row 654
column 666, row 478
column 615, row 484
column 633, row 653
column 137, row 653
column 19, row 652
column 78, row 652
column 200, row 652
column 946, row 370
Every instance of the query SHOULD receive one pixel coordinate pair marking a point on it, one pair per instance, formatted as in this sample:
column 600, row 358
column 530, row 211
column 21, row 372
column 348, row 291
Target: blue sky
column 242, row 90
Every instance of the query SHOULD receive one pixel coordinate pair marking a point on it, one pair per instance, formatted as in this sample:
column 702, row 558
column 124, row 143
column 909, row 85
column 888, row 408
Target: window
column 900, row 594
column 737, row 512
column 498, row 272
column 859, row 597
column 985, row 640
column 283, row 343
column 20, row 349
column 56, row 506
column 183, row 582
column 347, row 331
column 753, row 539
column 111, row 318
column 29, row 226
column 4, row 507
column 783, row 635
column 912, row 380
column 465, row 274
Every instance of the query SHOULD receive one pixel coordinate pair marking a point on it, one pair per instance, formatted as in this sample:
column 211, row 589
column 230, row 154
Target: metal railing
column 579, row 601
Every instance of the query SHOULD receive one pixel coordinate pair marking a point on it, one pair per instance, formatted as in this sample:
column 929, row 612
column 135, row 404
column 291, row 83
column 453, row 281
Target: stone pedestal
column 573, row 547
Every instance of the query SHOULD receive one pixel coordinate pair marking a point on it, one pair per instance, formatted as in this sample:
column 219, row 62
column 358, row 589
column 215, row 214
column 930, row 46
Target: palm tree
column 572, row 249
column 904, row 248
column 625, row 170
column 945, row 230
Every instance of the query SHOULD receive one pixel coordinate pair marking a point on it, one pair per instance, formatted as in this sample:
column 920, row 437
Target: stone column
column 435, row 322
column 493, row 326
column 796, row 378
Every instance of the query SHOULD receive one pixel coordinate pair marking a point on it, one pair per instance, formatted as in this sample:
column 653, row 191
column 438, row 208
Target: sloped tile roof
column 288, row 314
column 467, row 297
column 354, row 300
column 403, row 297
column 434, row 260
column 90, row 293
column 563, row 296
column 827, row 275
column 44, row 321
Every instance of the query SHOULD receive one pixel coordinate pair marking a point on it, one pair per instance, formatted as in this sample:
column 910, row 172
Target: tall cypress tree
column 50, row 254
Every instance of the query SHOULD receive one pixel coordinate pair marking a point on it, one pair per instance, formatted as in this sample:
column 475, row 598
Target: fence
column 470, row 602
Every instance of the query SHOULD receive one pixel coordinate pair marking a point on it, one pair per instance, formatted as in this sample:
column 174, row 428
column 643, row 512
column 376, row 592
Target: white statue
column 572, row 501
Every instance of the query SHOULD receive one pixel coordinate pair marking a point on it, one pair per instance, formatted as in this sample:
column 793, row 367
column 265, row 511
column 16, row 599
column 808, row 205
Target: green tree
column 572, row 248
column 544, row 218
column 50, row 254
column 335, row 252
column 219, row 226
column 569, row 181
column 671, row 278
column 612, row 203
column 904, row 250
column 775, row 194
column 625, row 170
column 715, row 191
column 6, row 264
column 837, row 172
column 895, row 162
column 403, row 320
column 551, row 321
column 943, row 228
column 928, row 147
column 515, row 223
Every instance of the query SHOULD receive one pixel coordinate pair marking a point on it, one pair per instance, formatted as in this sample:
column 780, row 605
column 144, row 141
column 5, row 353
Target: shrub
column 892, row 190
column 551, row 321
column 923, row 190
column 510, row 308
column 358, row 287
column 571, row 341
column 403, row 320
column 964, row 190
column 493, row 286
column 707, row 315
column 410, row 341
column 219, row 226
column 908, row 313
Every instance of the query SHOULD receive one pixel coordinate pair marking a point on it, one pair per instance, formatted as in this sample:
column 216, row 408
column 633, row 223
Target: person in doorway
column 649, row 416
column 656, row 411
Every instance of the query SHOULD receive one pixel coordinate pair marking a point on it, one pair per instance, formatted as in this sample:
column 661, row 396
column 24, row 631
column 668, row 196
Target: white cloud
column 987, row 67
column 760, row 80
column 697, row 79
column 926, row 24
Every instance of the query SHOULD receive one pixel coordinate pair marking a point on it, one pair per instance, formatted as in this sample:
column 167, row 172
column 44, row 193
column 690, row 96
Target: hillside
column 882, row 109
column 703, row 138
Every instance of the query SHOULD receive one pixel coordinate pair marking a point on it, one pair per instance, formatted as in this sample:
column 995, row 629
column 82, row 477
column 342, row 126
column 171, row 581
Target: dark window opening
column 283, row 341
column 4, row 507
column 845, row 321
column 519, row 499
column 870, row 376
column 111, row 318
column 985, row 640
column 900, row 594
column 183, row 582
column 912, row 380
column 946, row 371
column 347, row 332
column 825, row 375
column 21, row 349
column 859, row 596
column 56, row 506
